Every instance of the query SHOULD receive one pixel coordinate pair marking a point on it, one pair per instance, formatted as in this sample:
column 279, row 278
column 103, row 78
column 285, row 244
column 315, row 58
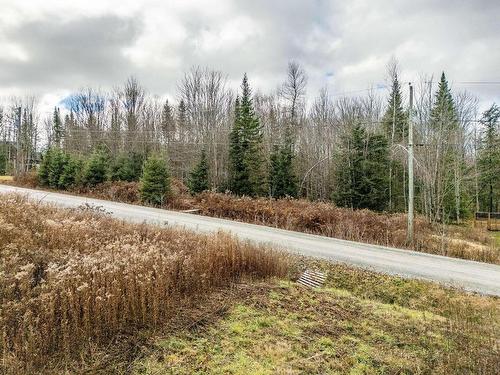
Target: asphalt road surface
column 469, row 275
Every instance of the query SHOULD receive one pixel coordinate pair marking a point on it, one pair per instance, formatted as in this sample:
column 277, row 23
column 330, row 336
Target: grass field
column 86, row 294
column 359, row 323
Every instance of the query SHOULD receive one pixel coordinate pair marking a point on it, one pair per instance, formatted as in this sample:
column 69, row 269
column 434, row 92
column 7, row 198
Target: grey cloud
column 69, row 53
column 348, row 41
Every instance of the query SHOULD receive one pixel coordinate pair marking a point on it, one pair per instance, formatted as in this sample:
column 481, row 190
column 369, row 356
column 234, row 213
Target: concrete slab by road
column 469, row 275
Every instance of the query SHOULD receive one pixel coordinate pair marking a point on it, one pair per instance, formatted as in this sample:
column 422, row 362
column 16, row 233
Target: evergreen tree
column 168, row 122
column 155, row 182
column 282, row 179
column 489, row 161
column 95, row 171
column 349, row 171
column 57, row 127
column 275, row 179
column 395, row 126
column 361, row 177
column 443, row 114
column 449, row 197
column 395, row 120
column 71, row 173
column 376, row 178
column 3, row 161
column 58, row 161
column 182, row 119
column 44, row 170
column 198, row 180
column 238, row 173
column 247, row 168
column 119, row 170
column 126, row 167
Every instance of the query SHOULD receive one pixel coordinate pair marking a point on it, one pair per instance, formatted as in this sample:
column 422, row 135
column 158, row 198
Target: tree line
column 347, row 149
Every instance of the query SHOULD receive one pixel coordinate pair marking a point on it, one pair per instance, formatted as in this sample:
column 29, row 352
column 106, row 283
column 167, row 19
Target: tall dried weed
column 71, row 278
column 354, row 225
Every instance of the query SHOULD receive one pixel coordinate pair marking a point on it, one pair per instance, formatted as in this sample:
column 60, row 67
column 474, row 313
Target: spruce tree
column 58, row 161
column 282, row 179
column 3, row 162
column 198, row 179
column 395, row 127
column 182, row 119
column 375, row 169
column 449, row 198
column 443, row 113
column 57, row 127
column 71, row 173
column 489, row 161
column 121, row 169
column 95, row 171
column 155, row 181
column 395, row 120
column 44, row 170
column 275, row 179
column 167, row 122
column 247, row 167
column 237, row 173
column 361, row 174
column 349, row 169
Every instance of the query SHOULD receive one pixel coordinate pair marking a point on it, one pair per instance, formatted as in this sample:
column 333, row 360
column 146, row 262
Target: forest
column 345, row 148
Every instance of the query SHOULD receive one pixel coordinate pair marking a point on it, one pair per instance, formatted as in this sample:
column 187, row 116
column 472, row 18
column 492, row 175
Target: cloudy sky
column 53, row 47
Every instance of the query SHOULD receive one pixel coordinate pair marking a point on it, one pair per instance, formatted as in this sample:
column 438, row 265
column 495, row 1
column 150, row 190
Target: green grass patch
column 360, row 323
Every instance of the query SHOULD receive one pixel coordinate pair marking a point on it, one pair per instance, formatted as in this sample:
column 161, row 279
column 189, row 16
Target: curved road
column 473, row 276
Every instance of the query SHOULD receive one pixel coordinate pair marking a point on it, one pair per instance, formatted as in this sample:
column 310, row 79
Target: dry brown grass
column 354, row 225
column 76, row 278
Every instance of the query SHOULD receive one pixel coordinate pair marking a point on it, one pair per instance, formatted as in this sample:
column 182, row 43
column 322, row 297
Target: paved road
column 474, row 276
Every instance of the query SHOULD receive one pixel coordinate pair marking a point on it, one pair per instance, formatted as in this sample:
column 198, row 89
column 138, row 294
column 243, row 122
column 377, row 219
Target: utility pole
column 410, row 169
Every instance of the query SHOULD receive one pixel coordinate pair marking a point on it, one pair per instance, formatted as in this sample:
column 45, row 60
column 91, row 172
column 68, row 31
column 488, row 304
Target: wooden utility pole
column 410, row 169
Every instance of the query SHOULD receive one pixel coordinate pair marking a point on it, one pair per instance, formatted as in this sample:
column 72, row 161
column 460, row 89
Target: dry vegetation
column 83, row 293
column 314, row 217
column 355, row 225
column 71, row 278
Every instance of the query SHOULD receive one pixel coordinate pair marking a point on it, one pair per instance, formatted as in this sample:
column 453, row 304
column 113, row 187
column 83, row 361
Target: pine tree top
column 443, row 113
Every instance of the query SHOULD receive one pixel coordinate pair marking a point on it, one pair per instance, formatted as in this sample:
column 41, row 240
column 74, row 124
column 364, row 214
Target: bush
column 95, row 171
column 155, row 182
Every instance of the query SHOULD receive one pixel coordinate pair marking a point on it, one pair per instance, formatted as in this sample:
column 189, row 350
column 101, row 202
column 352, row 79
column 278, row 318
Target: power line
column 478, row 82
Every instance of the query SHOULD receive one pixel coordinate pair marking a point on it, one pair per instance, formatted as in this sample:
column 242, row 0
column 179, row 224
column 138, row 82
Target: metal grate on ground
column 312, row 279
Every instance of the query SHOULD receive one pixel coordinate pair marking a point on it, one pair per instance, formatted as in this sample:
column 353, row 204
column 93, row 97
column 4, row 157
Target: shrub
column 155, row 182
column 28, row 179
column 95, row 171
